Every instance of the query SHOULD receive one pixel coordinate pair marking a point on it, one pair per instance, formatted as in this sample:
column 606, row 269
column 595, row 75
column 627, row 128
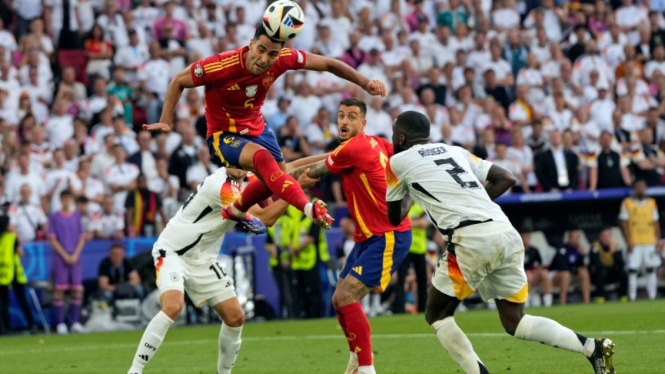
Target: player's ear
column 364, row 123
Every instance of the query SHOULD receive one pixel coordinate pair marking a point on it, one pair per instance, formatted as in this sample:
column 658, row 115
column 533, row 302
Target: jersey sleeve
column 656, row 216
column 291, row 59
column 388, row 146
column 343, row 157
column 397, row 188
column 479, row 167
column 204, row 71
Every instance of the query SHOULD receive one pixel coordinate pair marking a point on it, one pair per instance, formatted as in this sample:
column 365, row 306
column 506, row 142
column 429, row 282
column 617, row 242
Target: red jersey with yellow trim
column 233, row 95
column 361, row 162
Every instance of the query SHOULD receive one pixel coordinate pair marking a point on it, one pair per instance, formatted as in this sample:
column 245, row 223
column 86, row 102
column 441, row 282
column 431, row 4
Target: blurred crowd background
column 567, row 95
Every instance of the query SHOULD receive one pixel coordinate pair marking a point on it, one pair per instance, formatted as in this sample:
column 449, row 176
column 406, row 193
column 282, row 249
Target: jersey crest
column 251, row 90
column 198, row 70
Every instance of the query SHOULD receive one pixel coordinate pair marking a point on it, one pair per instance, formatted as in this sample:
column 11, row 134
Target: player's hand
column 163, row 127
column 376, row 87
column 305, row 181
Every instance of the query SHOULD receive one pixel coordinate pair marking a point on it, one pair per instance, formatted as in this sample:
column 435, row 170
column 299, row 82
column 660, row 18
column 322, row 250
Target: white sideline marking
column 310, row 337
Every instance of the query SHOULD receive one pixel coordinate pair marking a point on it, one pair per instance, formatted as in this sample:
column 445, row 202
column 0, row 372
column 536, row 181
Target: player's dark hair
column 414, row 124
column 261, row 30
column 355, row 102
column 66, row 192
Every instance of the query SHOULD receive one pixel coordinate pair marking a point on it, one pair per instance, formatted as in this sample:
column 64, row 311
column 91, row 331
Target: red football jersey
column 361, row 162
column 234, row 96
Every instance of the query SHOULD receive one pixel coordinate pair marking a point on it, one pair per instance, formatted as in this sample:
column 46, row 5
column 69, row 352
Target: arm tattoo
column 317, row 170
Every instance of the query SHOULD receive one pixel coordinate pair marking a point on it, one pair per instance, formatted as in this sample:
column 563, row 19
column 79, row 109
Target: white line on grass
column 309, row 337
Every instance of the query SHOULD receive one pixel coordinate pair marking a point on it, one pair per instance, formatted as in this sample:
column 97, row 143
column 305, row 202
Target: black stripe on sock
column 581, row 338
column 483, row 369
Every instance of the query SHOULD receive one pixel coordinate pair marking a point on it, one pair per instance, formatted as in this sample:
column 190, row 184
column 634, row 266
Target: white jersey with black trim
column 197, row 230
column 446, row 181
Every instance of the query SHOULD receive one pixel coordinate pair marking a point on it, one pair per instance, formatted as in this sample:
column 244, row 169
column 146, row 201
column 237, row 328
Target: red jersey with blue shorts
column 380, row 247
column 233, row 101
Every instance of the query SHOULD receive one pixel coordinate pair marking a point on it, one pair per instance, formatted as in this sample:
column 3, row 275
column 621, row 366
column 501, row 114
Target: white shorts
column 203, row 282
column 643, row 256
column 488, row 257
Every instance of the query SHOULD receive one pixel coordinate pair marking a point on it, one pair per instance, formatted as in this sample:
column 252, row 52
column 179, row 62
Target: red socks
column 357, row 332
column 276, row 181
column 342, row 323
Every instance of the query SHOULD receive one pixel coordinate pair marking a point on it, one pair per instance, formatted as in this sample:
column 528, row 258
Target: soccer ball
column 283, row 20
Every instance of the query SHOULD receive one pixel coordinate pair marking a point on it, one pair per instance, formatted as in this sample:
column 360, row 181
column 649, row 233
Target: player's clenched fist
column 163, row 127
column 376, row 87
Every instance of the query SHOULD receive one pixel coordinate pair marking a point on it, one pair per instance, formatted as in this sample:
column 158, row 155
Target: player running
column 484, row 251
column 186, row 260
column 380, row 248
column 236, row 83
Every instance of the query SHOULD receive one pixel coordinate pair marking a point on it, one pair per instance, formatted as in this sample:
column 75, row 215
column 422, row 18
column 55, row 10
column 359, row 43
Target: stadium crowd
column 565, row 95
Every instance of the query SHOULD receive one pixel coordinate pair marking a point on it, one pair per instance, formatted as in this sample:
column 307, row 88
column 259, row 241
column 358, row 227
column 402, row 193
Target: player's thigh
column 171, row 272
column 209, row 283
column 508, row 282
column 231, row 312
column 439, row 305
column 650, row 257
column 350, row 290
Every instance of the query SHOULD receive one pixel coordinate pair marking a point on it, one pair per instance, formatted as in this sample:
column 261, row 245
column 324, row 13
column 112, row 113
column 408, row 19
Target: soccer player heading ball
column 236, row 85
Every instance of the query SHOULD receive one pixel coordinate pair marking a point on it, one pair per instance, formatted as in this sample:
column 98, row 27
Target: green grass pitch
column 402, row 345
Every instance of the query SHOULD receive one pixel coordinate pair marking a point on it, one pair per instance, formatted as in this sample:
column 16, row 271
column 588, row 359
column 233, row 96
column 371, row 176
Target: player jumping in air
column 236, row 83
column 484, row 251
column 186, row 260
column 380, row 248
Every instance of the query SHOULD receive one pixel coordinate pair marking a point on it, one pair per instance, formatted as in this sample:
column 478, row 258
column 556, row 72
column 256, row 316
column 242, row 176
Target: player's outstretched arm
column 398, row 210
column 181, row 81
column 305, row 161
column 344, row 71
column 316, row 170
column 499, row 180
column 270, row 214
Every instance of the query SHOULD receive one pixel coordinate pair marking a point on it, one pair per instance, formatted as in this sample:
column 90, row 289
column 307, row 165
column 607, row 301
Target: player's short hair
column 261, row 30
column 66, row 193
column 355, row 102
column 414, row 124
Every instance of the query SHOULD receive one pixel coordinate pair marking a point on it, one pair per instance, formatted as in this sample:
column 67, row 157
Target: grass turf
column 402, row 345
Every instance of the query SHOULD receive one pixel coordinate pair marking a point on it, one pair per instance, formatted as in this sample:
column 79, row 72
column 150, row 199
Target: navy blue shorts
column 225, row 147
column 375, row 260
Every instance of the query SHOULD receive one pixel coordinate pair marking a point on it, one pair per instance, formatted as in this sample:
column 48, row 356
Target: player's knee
column 235, row 319
column 172, row 309
column 510, row 323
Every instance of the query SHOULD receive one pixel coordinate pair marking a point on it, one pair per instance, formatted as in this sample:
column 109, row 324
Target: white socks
column 547, row 331
column 632, row 285
column 229, row 345
column 308, row 211
column 652, row 284
column 547, row 300
column 237, row 211
column 458, row 345
column 152, row 338
column 366, row 369
column 353, row 363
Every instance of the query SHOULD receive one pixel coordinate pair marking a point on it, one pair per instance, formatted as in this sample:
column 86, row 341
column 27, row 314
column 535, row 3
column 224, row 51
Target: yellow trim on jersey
column 240, row 57
column 235, row 87
column 218, row 68
column 387, row 259
column 363, row 227
column 363, row 178
column 218, row 64
column 232, row 122
column 285, row 52
column 339, row 148
column 520, row 296
column 215, row 146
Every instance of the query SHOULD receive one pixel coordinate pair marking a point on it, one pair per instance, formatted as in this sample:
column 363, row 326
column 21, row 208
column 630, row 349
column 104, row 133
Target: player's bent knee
column 510, row 323
column 172, row 309
column 235, row 319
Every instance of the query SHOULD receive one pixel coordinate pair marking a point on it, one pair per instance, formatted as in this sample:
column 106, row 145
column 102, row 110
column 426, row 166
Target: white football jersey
column 197, row 230
column 446, row 181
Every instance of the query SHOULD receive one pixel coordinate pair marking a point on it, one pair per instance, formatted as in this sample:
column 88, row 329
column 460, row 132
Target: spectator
column 606, row 265
column 16, row 179
column 12, row 276
column 354, row 56
column 557, row 168
column 144, row 158
column 568, row 268
column 304, row 105
column 201, row 169
column 87, row 217
column 511, row 165
column 132, row 56
column 27, row 219
column 657, row 126
column 71, row 162
column 278, row 241
column 124, row 136
column 578, row 48
column 172, row 50
column 326, row 44
column 69, row 81
column 109, row 223
column 121, row 90
column 515, row 52
column 99, row 53
column 41, row 151
column 536, row 274
column 113, row 24
column 120, row 178
column 103, row 159
column 278, row 119
column 640, row 224
column 60, row 126
column 179, row 27
column 92, row 188
column 419, row 62
column 320, row 133
column 117, row 277
column 67, row 238
column 290, row 139
column 523, row 155
column 487, row 149
column 648, row 159
column 58, row 179
column 560, row 116
column 607, row 168
column 492, row 89
column 166, row 186
column 454, row 15
column 183, row 156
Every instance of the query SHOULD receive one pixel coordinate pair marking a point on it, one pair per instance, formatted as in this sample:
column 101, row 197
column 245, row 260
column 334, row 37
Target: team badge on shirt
column 251, row 90
column 268, row 79
column 198, row 71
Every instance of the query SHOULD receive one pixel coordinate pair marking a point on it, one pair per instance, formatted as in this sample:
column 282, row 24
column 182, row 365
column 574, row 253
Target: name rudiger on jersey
column 432, row 151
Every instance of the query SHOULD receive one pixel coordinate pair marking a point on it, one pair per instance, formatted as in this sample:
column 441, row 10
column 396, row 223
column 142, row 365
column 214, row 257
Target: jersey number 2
column 455, row 172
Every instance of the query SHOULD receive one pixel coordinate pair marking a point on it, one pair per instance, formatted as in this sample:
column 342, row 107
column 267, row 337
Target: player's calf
column 233, row 318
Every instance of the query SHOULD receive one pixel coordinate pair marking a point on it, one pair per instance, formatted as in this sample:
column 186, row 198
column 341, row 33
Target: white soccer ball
column 283, row 20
